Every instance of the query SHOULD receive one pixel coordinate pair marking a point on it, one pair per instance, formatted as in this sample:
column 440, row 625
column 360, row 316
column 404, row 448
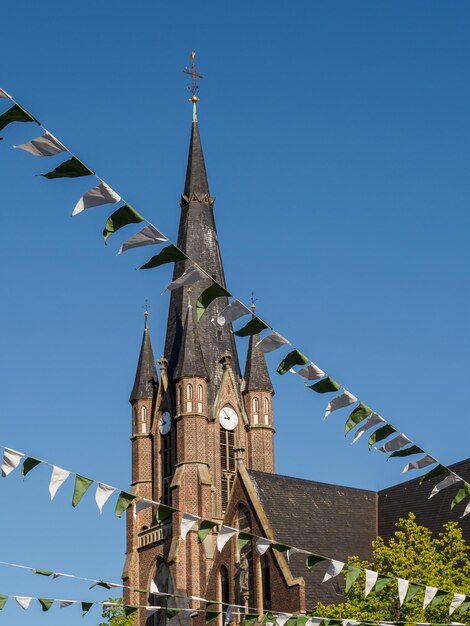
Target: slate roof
column 146, row 378
column 191, row 360
column 256, row 372
column 321, row 518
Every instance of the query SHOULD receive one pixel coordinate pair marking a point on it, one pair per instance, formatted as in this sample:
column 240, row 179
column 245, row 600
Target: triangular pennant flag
column 243, row 540
column 3, row 601
column 65, row 603
column 281, row 618
column 467, row 510
column 45, row 603
column 291, row 551
column 436, row 597
column 154, row 589
column 73, row 168
column 29, row 463
column 130, row 609
column 82, row 484
column 407, row 452
column 23, row 601
column 170, row 254
column 124, row 501
column 103, row 492
column 293, row 358
column 357, row 416
column 44, row 146
column 281, row 547
column 148, row 236
column 189, row 277
column 86, row 606
column 231, row 610
column 463, row 607
column 225, row 533
column 310, row 372
column 163, row 512
column 271, row 342
column 371, row 579
column 340, row 402
column 312, row 560
column 253, row 327
column 209, row 295
column 58, row 477
column 456, row 602
column 381, row 433
column 15, row 114
column 420, row 463
column 262, row 545
column 142, row 504
column 402, row 589
column 334, row 568
column 398, row 442
column 99, row 195
column 187, row 522
column 436, row 471
column 204, row 529
column 449, row 480
column 232, row 312
column 11, row 460
column 4, row 94
column 150, row 610
column 461, row 495
column 382, row 582
column 126, row 214
column 352, row 574
column 327, row 385
column 373, row 420
column 413, row 589
column 250, row 618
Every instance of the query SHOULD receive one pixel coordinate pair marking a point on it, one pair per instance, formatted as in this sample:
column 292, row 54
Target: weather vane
column 253, row 300
column 194, row 89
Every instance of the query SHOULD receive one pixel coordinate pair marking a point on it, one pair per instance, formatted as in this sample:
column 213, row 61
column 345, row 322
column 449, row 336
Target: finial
column 253, row 305
column 194, row 88
column 190, row 291
column 226, row 358
column 146, row 308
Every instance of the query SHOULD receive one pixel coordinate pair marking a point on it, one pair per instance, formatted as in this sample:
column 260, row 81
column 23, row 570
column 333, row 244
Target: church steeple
column 191, row 359
column 196, row 184
column 256, row 372
column 146, row 378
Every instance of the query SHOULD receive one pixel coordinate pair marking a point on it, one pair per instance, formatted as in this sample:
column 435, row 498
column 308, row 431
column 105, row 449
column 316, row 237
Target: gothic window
column 189, row 397
column 266, row 583
column 166, row 468
column 227, row 462
column 224, row 586
column 266, row 410
column 143, row 416
column 164, row 584
column 255, row 410
column 134, row 420
column 178, row 397
column 199, row 398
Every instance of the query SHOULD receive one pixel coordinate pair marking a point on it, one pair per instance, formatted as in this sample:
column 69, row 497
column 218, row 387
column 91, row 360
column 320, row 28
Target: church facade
column 203, row 442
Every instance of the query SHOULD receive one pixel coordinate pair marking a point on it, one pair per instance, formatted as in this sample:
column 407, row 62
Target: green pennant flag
column 437, row 471
column 438, row 598
column 86, row 606
column 211, row 615
column 126, row 214
column 42, row 572
column 130, row 609
column 326, row 385
column 381, row 433
column 172, row 612
column 381, row 583
column 73, row 168
column 3, row 601
column 205, row 527
column 414, row 449
column 243, row 540
column 279, row 547
column 124, row 501
column 46, row 603
column 301, row 620
column 268, row 617
column 254, row 327
column 293, row 358
column 312, row 560
column 207, row 296
column 465, row 605
column 81, row 486
column 170, row 254
column 462, row 493
column 16, row 114
column 163, row 512
column 29, row 463
column 352, row 574
column 101, row 583
column 251, row 618
column 413, row 589
column 357, row 416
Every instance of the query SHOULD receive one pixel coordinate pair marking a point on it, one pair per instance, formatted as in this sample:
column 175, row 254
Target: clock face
column 165, row 423
column 228, row 418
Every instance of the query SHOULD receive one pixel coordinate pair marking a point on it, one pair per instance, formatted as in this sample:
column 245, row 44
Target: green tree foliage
column 116, row 615
column 414, row 554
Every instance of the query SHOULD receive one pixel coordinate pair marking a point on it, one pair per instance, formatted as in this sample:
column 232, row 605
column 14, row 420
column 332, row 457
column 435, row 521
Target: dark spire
column 190, row 359
column 146, row 379
column 256, row 372
column 196, row 176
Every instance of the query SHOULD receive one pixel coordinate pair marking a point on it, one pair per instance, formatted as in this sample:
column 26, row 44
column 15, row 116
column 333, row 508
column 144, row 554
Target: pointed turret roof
column 146, row 379
column 256, row 371
column 191, row 359
column 196, row 176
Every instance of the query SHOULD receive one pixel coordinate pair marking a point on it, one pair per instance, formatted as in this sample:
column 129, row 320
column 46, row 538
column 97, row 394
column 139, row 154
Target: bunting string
column 398, row 446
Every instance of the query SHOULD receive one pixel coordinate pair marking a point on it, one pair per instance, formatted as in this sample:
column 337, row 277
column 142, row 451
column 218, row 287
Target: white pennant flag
column 148, row 236
column 154, row 588
column 292, row 551
column 467, row 510
column 373, row 420
column 23, row 601
column 229, row 613
column 187, row 522
column 282, row 618
column 429, row 595
column 4, row 94
column 341, row 401
column 271, row 342
column 262, row 545
column 371, row 579
column 58, row 477
column 11, row 460
column 101, row 194
column 402, row 589
column 449, row 480
column 225, row 533
column 420, row 463
column 44, row 146
column 232, row 312
column 334, row 568
column 397, row 443
column 456, row 602
column 150, row 610
column 65, row 603
column 314, row 621
column 189, row 277
column 103, row 492
column 310, row 372
column 142, row 504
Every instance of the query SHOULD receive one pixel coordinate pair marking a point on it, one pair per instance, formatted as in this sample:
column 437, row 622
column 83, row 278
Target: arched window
column 227, row 462
column 164, row 584
column 224, row 586
column 265, row 582
column 143, row 419
column 255, row 410
column 167, row 467
column 189, row 397
column 134, row 421
column 199, row 398
column 266, row 410
column 178, row 397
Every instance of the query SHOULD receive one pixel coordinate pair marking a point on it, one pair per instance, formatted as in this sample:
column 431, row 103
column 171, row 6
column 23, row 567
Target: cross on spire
column 194, row 88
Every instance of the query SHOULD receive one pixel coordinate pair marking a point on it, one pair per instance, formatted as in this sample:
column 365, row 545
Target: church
column 203, row 442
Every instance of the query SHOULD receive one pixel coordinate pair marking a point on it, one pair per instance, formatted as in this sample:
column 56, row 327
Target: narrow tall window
column 164, row 584
column 199, row 398
column 224, row 586
column 143, row 419
column 227, row 462
column 266, row 411
column 167, row 468
column 135, row 424
column 266, row 583
column 255, row 410
column 178, row 398
column 189, row 398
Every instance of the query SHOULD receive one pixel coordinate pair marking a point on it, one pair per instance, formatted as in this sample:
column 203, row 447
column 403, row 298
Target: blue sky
column 336, row 137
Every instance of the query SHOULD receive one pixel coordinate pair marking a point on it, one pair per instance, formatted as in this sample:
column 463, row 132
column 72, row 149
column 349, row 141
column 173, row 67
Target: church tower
column 199, row 414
